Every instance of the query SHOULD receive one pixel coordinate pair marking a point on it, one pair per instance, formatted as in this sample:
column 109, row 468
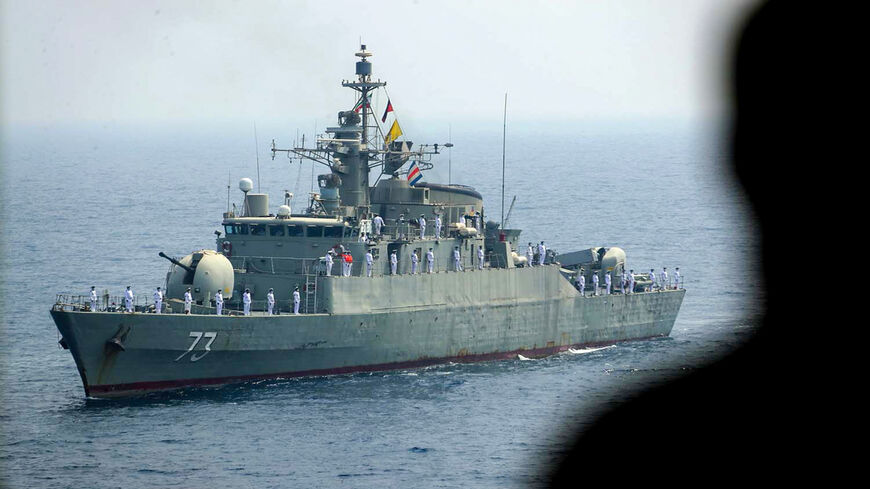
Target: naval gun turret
column 204, row 271
column 592, row 261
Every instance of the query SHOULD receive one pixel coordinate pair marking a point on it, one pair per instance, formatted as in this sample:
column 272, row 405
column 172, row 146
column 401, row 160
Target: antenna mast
column 503, row 138
column 449, row 153
column 257, row 152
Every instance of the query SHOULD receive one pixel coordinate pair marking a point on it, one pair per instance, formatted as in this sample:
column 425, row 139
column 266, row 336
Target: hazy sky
column 156, row 61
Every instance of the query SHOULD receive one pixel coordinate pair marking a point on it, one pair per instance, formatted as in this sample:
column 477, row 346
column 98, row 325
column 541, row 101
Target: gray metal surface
column 374, row 324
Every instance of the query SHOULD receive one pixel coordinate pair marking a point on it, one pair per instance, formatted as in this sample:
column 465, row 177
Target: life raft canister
column 228, row 248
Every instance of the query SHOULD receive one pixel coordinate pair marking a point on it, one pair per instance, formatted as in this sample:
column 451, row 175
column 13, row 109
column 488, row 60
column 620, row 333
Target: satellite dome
column 246, row 185
column 284, row 211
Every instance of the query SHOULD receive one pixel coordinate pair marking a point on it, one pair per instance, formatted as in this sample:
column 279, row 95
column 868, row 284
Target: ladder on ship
column 310, row 293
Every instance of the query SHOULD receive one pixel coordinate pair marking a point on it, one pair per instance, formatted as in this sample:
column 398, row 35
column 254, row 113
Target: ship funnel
column 257, row 205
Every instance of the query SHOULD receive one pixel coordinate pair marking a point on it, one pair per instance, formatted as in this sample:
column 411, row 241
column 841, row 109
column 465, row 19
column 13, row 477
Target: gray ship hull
column 467, row 316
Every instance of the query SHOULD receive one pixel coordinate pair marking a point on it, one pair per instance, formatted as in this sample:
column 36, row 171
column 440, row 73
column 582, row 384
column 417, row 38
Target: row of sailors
column 628, row 282
column 347, row 262
column 246, row 302
column 662, row 282
column 378, row 223
column 188, row 301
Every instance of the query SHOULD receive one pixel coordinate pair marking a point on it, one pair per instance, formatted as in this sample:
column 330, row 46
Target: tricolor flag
column 389, row 109
column 359, row 103
column 395, row 132
column 414, row 173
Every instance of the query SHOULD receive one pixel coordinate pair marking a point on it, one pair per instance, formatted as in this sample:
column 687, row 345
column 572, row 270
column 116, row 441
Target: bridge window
column 258, row 229
column 236, row 229
column 314, row 232
column 295, row 231
column 276, row 230
column 333, row 232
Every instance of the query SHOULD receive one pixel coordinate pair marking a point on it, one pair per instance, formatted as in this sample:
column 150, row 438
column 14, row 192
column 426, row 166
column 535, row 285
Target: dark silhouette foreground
column 769, row 411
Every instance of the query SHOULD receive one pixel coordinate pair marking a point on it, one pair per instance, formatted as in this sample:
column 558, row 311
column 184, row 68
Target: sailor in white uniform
column 530, row 255
column 677, row 278
column 378, row 221
column 457, row 259
column 422, row 226
column 437, row 226
column 581, row 282
column 480, row 257
column 188, row 301
column 370, row 262
column 93, row 299
column 414, row 260
column 542, row 250
column 246, row 302
column 128, row 299
column 631, row 281
column 665, row 282
column 362, row 237
column 430, row 260
column 270, row 301
column 595, row 284
column 394, row 262
column 218, row 302
column 607, row 283
column 158, row 301
column 328, row 263
column 652, row 277
column 296, row 300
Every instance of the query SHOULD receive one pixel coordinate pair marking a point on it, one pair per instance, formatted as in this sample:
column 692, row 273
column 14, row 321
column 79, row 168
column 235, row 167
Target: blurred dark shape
column 772, row 409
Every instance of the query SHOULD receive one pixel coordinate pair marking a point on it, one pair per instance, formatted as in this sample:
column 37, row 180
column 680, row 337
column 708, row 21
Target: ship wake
column 581, row 351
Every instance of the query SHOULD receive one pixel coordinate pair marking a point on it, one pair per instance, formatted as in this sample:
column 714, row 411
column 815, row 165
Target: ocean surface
column 93, row 205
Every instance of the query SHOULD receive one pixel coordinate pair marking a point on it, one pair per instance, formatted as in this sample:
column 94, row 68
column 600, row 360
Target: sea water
column 93, row 205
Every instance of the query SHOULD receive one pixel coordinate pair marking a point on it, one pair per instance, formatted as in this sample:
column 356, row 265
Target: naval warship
column 449, row 306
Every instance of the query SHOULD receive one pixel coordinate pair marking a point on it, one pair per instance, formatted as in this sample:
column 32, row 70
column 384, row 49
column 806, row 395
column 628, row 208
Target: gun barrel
column 173, row 260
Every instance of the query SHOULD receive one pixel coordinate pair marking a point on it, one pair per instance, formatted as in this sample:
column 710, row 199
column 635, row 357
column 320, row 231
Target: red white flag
column 389, row 109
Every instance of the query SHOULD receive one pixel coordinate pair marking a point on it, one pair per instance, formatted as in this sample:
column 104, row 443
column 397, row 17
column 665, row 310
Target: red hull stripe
column 142, row 387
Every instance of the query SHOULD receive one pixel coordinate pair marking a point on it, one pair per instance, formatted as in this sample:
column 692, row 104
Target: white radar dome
column 284, row 211
column 246, row 185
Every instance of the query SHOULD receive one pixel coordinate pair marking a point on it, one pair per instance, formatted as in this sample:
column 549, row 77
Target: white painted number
column 211, row 336
column 198, row 335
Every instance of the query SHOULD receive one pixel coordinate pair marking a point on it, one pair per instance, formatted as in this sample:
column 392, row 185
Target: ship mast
column 350, row 154
column 365, row 86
